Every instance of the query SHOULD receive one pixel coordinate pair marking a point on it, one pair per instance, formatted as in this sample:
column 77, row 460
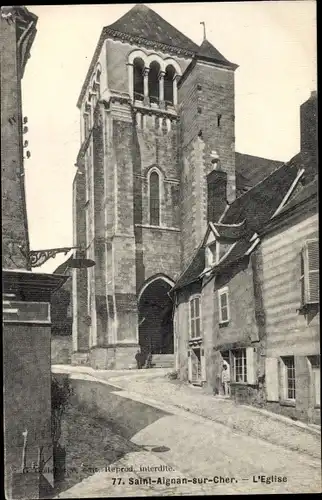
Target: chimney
column 217, row 194
column 308, row 116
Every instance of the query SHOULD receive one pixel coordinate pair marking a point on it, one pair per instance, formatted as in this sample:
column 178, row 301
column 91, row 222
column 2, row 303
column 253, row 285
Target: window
column 138, row 68
column 195, row 317
column 315, row 378
column 196, row 364
column 223, row 299
column 98, row 83
column 239, row 365
column 168, row 84
column 210, row 255
column 154, row 187
column 154, row 82
column 288, row 378
column 310, row 272
column 86, row 124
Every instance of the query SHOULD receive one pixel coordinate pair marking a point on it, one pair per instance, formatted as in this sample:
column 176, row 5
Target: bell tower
column 140, row 157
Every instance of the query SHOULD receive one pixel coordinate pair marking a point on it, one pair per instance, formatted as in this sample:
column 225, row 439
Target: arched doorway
column 155, row 317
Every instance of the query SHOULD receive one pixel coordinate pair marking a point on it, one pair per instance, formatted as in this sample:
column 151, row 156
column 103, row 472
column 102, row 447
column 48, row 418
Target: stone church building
column 157, row 162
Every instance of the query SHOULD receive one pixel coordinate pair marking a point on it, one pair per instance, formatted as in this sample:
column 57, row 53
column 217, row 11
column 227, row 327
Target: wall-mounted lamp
column 80, row 261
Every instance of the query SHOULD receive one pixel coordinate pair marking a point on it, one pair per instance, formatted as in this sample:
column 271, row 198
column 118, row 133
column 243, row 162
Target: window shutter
column 189, row 367
column 313, row 271
column 251, row 365
column 271, row 377
column 203, row 365
column 302, row 279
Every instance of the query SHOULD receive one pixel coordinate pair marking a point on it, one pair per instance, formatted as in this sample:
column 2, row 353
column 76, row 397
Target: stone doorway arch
column 156, row 316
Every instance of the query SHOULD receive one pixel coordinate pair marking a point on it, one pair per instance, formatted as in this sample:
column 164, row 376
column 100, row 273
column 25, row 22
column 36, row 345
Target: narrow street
column 165, row 450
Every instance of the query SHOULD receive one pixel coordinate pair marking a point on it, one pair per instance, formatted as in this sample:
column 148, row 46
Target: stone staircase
column 163, row 361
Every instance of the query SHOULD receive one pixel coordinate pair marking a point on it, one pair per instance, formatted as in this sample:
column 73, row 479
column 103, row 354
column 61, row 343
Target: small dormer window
column 215, row 251
column 212, row 254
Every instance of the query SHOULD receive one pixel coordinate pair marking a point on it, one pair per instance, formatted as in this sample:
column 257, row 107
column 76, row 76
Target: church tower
column 141, row 166
column 207, row 148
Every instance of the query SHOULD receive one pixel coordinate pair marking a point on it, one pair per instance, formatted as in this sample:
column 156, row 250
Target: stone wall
column 27, row 394
column 206, row 97
column 61, row 349
column 14, row 217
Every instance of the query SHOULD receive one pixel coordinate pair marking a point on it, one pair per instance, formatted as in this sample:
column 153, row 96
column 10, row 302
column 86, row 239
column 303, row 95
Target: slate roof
column 237, row 253
column 195, row 268
column 250, row 170
column 208, row 52
column 256, row 207
column 258, row 204
column 307, row 192
column 146, row 23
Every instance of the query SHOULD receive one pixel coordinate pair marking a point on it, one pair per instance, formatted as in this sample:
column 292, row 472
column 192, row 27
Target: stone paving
column 193, row 447
column 255, row 422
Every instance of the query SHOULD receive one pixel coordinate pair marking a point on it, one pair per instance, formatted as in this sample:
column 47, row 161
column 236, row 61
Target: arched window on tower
column 154, row 193
column 168, row 84
column 98, row 83
column 154, row 82
column 138, row 68
column 87, row 119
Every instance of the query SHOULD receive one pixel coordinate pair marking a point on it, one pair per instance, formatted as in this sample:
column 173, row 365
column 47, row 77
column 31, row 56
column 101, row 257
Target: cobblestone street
column 183, row 445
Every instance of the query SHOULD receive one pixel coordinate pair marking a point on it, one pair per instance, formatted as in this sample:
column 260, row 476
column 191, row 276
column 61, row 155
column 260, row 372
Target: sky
column 274, row 44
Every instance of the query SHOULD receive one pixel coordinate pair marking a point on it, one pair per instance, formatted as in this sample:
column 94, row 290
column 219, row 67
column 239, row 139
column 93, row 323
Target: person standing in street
column 225, row 378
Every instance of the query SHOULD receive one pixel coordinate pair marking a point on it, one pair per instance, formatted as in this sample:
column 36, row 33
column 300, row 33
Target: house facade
column 290, row 286
column 222, row 285
column 250, row 296
column 290, row 289
column 157, row 117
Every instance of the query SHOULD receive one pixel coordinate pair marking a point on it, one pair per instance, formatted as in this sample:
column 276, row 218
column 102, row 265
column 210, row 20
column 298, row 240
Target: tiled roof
column 250, row 170
column 209, row 52
column 143, row 22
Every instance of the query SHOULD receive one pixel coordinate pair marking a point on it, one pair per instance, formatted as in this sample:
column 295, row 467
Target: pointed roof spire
column 143, row 22
column 209, row 53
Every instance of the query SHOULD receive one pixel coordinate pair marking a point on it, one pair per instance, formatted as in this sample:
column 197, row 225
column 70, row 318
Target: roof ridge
column 261, row 157
column 142, row 7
